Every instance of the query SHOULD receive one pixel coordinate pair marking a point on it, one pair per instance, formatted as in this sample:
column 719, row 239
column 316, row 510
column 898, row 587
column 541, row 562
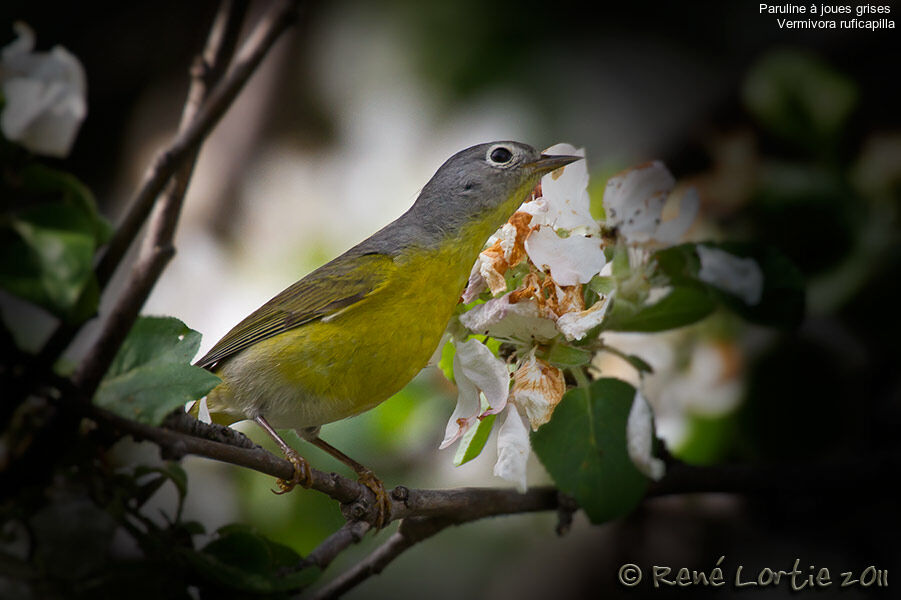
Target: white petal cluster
column 557, row 249
column 537, row 388
column 44, row 95
column 634, row 201
column 569, row 260
column 566, row 204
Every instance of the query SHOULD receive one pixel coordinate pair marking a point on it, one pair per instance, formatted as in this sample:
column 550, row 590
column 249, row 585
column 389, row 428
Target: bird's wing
column 330, row 288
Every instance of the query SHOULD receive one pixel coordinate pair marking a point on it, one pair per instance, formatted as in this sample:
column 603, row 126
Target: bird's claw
column 303, row 475
column 382, row 501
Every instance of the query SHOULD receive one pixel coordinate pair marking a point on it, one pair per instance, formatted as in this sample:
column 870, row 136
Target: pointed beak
column 549, row 162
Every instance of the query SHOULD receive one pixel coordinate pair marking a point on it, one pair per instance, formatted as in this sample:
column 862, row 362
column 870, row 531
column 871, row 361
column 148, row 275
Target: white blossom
column 634, row 201
column 565, row 194
column 739, row 276
column 44, row 95
column 640, row 438
column 476, row 370
column 570, row 260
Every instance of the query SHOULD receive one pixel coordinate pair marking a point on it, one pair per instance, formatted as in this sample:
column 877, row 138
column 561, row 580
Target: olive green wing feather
column 333, row 287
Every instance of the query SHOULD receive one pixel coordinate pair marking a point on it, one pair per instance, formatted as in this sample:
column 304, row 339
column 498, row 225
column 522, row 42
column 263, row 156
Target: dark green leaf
column 583, row 448
column 637, row 362
column 152, row 391
column 156, row 339
column 682, row 306
column 151, row 375
column 39, row 179
column 46, row 256
column 241, row 559
column 783, row 299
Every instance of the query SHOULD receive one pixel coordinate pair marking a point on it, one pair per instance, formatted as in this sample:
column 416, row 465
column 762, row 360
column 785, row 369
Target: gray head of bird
column 482, row 180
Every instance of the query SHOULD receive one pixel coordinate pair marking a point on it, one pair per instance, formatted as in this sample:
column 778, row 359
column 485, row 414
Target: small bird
column 356, row 330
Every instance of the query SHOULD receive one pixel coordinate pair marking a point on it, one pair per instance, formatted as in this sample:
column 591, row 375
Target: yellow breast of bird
column 340, row 366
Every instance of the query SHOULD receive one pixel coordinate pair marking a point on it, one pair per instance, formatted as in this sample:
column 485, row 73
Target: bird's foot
column 382, row 501
column 303, row 475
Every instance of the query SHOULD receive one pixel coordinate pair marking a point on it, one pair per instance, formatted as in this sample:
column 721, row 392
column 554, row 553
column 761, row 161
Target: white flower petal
column 670, row 232
column 566, row 193
column 571, row 260
column 476, row 370
column 501, row 319
column 739, row 276
column 467, row 409
column 538, row 208
column 513, row 448
column 574, row 325
column 45, row 95
column 634, row 199
column 640, row 438
column 485, row 370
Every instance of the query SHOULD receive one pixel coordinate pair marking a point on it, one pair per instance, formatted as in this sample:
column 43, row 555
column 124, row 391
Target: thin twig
column 206, row 71
column 411, row 532
column 175, row 445
column 158, row 250
column 322, row 556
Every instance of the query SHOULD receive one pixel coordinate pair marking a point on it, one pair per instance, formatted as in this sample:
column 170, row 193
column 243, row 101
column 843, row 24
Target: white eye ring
column 499, row 154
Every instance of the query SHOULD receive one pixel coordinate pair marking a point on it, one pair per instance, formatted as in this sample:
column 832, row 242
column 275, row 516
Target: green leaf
column 782, row 301
column 565, row 356
column 583, row 448
column 602, row 285
column 149, row 393
column 49, row 232
column 446, row 363
column 156, row 339
column 46, row 255
column 39, row 179
column 473, row 441
column 151, row 375
column 620, row 268
column 682, row 306
column 637, row 362
column 242, row 559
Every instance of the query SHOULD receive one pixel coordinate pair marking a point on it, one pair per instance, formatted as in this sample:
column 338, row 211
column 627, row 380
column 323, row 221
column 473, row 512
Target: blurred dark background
column 793, row 136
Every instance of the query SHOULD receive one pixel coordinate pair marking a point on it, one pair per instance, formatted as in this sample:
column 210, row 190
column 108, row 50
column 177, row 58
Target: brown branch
column 175, row 445
column 158, row 249
column 322, row 556
column 423, row 513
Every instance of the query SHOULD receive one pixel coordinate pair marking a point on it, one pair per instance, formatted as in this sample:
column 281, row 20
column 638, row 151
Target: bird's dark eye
column 500, row 155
